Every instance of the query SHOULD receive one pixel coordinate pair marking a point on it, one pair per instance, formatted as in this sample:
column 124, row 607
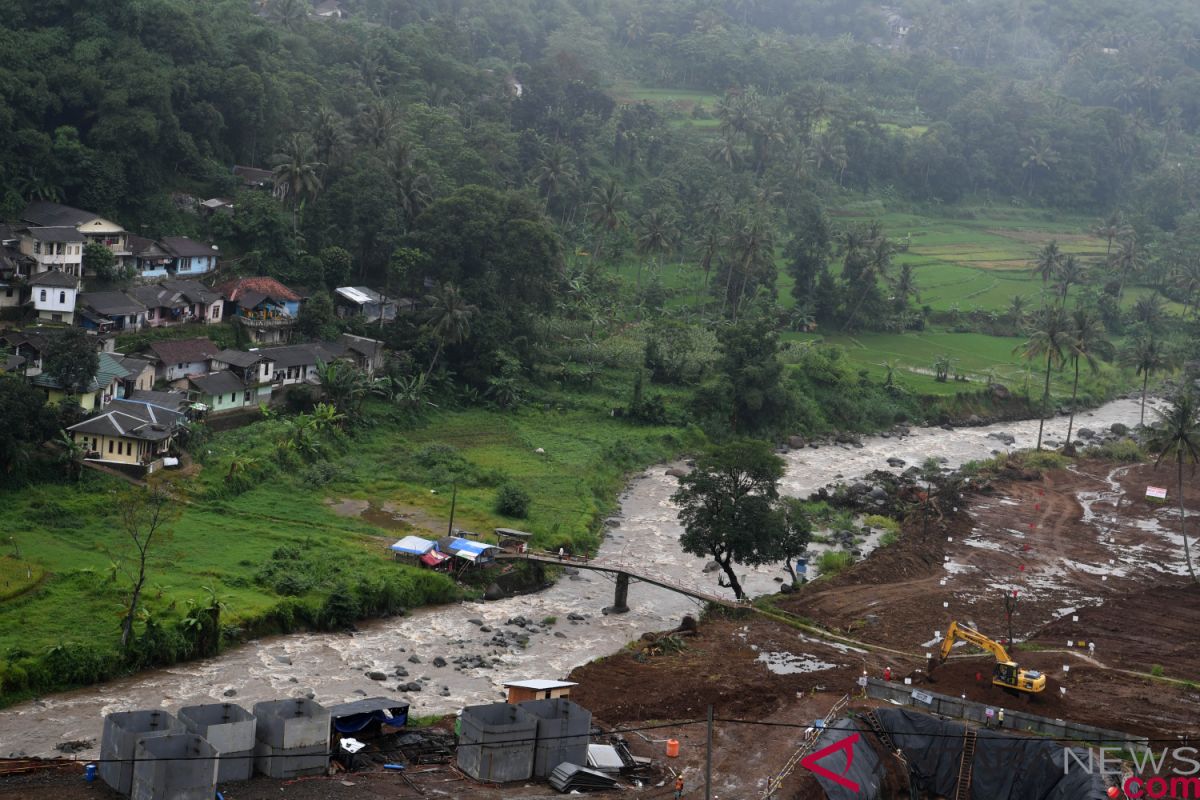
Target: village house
column 93, row 227
column 12, row 364
column 255, row 178
column 298, row 363
column 221, row 391
column 104, row 387
column 266, row 308
column 176, row 360
column 54, row 294
column 15, row 268
column 53, row 248
column 110, row 311
column 175, row 302
column 150, row 259
column 522, row 691
column 366, row 354
column 129, row 433
column 359, row 301
column 172, row 401
column 190, row 257
column 29, row 344
column 254, row 369
column 139, row 374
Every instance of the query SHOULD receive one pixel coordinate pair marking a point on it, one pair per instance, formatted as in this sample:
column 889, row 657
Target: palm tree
column 1149, row 311
column 291, row 14
column 1049, row 338
column 1086, row 340
column 344, row 385
column 1187, row 280
column 32, row 186
column 1037, row 156
column 1070, row 272
column 414, row 190
column 328, row 134
column 1045, row 265
column 1111, row 229
column 449, row 319
column 654, row 237
column 753, row 252
column 905, row 286
column 710, row 247
column 71, row 456
column 555, row 172
column 1147, row 356
column 296, row 174
column 1016, row 310
column 1129, row 263
column 376, row 124
column 1177, row 433
column 604, row 211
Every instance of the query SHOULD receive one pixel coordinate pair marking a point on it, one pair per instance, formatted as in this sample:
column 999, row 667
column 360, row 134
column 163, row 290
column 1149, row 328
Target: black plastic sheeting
column 865, row 769
column 1005, row 767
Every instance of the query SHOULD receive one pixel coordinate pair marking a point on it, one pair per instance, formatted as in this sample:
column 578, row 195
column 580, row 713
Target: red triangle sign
column 809, row 762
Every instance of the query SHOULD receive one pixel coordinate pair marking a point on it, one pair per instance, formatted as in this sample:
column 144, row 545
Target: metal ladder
column 963, row 790
column 880, row 733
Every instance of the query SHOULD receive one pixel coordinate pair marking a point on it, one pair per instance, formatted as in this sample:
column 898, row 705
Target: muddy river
column 334, row 667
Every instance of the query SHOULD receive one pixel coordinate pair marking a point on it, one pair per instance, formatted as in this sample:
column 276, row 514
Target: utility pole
column 708, row 758
column 453, row 503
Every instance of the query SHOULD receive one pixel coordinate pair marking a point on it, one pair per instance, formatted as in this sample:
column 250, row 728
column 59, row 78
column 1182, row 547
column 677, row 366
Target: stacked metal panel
column 574, row 778
column 118, row 744
column 230, row 729
column 292, row 738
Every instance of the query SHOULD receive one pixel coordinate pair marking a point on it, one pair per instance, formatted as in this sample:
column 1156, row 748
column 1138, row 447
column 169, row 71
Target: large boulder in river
column 894, row 461
column 678, row 472
column 1119, row 429
column 1000, row 391
column 796, row 442
column 493, row 592
column 1002, row 436
column 712, row 566
column 1086, row 433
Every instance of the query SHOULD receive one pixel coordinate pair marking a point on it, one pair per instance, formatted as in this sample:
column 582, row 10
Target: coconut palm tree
column 328, row 134
column 1037, row 156
column 291, row 14
column 1149, row 311
column 604, row 212
column 1129, row 262
column 753, row 249
column 449, row 319
column 1049, row 338
column 1045, row 265
column 71, row 456
column 1177, row 434
column 655, row 236
column 1147, row 356
column 296, row 174
column 555, row 172
column 376, row 124
column 1016, row 310
column 1086, row 340
column 1187, row 280
column 1071, row 272
column 1113, row 227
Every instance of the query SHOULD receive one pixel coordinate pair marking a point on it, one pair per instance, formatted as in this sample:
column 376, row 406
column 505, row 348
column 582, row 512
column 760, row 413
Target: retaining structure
column 1014, row 719
column 292, row 738
column 177, row 766
column 230, row 729
column 562, row 733
column 497, row 743
column 119, row 742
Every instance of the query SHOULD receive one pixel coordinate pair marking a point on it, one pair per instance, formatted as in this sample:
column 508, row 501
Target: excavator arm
column 962, row 632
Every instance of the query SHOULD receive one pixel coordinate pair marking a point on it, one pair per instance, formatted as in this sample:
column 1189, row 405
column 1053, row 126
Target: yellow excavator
column 1006, row 673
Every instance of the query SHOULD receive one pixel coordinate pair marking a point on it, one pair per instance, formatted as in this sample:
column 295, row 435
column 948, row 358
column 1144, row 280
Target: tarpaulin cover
column 865, row 770
column 433, row 558
column 1005, row 767
column 413, row 545
column 353, row 717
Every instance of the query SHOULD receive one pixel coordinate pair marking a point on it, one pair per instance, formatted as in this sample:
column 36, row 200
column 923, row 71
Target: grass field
column 70, row 588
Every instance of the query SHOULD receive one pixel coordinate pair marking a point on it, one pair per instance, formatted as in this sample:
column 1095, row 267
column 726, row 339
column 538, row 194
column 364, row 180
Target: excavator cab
column 1005, row 673
column 1009, row 675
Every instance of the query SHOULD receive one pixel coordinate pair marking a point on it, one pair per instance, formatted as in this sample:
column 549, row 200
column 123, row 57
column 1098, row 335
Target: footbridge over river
column 624, row 574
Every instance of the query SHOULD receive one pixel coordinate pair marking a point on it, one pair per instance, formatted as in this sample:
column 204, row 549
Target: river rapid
column 334, row 667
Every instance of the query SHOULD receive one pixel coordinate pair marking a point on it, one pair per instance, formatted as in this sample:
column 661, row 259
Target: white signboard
column 1156, row 493
column 923, row 697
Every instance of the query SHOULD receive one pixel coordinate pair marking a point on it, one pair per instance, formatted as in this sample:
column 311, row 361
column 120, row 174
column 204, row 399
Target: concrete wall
column 230, row 729
column 1014, row 719
column 292, row 738
column 118, row 744
column 562, row 734
column 497, row 743
column 180, row 766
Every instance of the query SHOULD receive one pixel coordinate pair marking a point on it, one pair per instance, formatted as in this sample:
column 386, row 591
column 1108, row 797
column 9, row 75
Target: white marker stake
column 949, row 538
column 1063, row 689
column 945, row 605
column 1103, row 577
column 1066, row 667
column 908, row 681
column 928, row 656
column 1074, row 618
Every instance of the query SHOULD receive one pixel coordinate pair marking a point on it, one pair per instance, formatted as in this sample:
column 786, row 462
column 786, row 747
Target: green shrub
column 512, row 501
column 1043, row 460
column 1157, row 670
column 889, row 539
column 1125, row 450
column 883, row 523
column 832, row 562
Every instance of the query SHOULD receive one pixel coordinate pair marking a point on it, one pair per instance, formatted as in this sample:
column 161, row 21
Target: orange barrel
column 672, row 748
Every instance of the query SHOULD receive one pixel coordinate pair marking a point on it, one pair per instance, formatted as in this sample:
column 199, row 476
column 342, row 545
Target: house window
column 110, row 446
column 233, row 397
column 247, row 398
column 8, row 292
column 180, row 366
column 56, row 317
column 62, row 298
column 42, row 295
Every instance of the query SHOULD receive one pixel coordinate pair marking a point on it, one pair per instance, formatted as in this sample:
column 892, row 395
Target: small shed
column 497, row 743
column 513, row 539
column 522, row 691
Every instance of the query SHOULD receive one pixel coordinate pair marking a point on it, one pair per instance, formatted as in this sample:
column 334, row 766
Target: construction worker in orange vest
column 679, row 787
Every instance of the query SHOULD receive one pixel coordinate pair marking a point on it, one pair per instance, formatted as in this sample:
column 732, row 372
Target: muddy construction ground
column 1089, row 559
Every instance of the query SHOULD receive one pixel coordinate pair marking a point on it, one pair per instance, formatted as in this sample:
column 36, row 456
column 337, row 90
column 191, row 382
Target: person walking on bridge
column 561, row 553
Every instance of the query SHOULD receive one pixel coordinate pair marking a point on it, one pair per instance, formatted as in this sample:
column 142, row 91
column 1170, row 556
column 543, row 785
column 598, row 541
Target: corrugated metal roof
column 539, row 685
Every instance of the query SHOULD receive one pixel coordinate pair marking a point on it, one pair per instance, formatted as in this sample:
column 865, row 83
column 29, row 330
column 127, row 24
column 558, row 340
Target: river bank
column 339, row 667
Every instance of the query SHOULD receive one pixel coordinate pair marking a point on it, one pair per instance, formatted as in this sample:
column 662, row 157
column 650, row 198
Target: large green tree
column 27, row 422
column 728, row 506
column 751, row 381
column 72, row 360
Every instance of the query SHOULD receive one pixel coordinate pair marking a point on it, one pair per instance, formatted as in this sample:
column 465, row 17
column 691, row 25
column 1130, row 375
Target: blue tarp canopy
column 414, row 546
column 471, row 551
column 354, row 717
